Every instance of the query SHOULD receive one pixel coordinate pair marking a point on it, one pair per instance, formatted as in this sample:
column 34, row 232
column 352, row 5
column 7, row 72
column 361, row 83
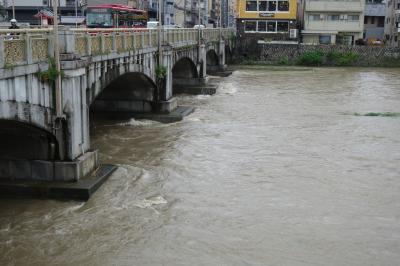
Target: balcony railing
column 335, row 5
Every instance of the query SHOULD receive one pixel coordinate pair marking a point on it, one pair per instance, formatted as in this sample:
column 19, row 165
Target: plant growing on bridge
column 161, row 71
column 51, row 74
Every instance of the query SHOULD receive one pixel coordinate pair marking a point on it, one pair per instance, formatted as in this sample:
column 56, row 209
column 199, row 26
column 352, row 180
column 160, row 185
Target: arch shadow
column 184, row 73
column 130, row 92
column 185, row 68
column 20, row 140
column 212, row 58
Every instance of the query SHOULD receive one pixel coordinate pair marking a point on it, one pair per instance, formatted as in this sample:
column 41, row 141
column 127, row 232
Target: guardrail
column 26, row 46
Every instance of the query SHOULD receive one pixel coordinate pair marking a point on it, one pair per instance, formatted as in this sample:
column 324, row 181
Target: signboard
column 98, row 10
column 266, row 15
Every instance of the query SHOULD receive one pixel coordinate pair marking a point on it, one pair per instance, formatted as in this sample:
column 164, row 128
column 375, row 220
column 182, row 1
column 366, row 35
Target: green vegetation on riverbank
column 387, row 114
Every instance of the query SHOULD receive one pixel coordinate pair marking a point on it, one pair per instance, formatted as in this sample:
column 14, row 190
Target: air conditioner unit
column 293, row 33
column 321, row 17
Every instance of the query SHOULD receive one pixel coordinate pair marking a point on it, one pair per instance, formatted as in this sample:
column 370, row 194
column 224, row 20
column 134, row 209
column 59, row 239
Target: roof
column 44, row 13
column 116, row 7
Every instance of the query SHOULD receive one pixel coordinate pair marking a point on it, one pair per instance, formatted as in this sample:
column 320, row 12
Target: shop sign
column 267, row 15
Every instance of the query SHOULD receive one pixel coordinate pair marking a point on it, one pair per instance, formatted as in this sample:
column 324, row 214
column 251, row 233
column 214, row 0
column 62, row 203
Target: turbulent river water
column 275, row 169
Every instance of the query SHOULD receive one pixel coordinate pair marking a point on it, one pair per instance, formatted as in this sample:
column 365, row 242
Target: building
column 267, row 19
column 392, row 25
column 25, row 10
column 374, row 20
column 199, row 12
column 332, row 22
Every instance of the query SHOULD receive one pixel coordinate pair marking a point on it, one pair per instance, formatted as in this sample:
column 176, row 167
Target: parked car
column 152, row 24
column 199, row 27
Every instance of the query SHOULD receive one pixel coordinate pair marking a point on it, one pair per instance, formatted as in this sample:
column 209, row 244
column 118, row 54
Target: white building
column 333, row 21
column 392, row 25
column 374, row 19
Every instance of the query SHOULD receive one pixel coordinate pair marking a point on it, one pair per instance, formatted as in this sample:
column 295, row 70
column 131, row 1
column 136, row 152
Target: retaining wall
column 267, row 53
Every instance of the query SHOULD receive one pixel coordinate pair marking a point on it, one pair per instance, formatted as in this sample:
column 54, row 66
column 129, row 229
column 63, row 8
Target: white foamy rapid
column 138, row 123
column 227, row 88
column 148, row 203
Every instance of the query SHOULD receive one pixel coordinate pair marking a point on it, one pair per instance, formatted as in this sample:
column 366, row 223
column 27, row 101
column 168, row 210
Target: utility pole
column 57, row 60
column 220, row 19
column 76, row 13
column 198, row 3
column 13, row 8
column 184, row 14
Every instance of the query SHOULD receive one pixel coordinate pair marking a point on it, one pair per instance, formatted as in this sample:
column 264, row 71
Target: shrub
column 283, row 61
column 347, row 59
column 313, row 58
column 333, row 56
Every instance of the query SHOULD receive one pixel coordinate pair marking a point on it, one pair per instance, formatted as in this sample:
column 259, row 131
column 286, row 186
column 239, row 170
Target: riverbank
column 250, row 52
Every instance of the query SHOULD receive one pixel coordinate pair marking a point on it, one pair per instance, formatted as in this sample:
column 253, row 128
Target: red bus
column 115, row 16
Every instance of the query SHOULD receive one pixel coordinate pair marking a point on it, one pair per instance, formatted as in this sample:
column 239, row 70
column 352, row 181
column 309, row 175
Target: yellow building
column 274, row 19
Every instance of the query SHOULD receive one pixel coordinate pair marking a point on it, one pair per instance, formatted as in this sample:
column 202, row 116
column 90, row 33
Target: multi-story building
column 269, row 19
column 333, row 21
column 183, row 14
column 199, row 12
column 374, row 19
column 392, row 25
column 26, row 9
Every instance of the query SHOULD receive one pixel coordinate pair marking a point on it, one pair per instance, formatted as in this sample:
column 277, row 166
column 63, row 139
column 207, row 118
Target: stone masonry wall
column 248, row 50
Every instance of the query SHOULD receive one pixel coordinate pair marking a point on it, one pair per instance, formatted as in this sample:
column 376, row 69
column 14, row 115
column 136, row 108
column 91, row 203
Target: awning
column 311, row 32
column 44, row 13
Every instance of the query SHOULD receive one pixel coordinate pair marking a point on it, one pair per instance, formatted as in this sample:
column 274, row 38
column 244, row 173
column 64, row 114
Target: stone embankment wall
column 249, row 51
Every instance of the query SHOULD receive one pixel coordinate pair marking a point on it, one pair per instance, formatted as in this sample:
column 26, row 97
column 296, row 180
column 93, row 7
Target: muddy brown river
column 275, row 169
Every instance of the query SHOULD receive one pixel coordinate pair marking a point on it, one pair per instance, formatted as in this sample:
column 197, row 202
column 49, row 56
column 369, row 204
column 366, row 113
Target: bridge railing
column 26, row 46
column 20, row 47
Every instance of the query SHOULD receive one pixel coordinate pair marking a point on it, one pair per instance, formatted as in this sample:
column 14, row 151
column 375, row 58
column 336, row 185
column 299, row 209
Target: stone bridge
column 45, row 102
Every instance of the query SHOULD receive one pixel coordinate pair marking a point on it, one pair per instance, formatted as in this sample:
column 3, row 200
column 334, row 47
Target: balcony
column 335, row 5
column 375, row 10
column 341, row 26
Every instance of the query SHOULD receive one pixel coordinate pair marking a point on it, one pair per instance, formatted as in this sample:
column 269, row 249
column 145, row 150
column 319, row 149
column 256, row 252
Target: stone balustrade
column 27, row 46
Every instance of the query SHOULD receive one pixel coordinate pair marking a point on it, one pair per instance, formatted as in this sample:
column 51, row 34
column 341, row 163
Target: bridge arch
column 212, row 58
column 184, row 68
column 22, row 140
column 131, row 92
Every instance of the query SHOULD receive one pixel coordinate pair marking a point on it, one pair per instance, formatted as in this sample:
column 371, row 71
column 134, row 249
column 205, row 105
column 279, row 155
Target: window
column 372, row 20
column 366, row 20
column 262, row 26
column 251, row 5
column 283, row 5
column 315, row 17
column 262, row 5
column 271, row 26
column 99, row 19
column 45, row 2
column 282, row 26
column 250, row 26
column 267, row 5
column 271, row 5
column 325, row 39
column 333, row 17
column 353, row 17
column 381, row 22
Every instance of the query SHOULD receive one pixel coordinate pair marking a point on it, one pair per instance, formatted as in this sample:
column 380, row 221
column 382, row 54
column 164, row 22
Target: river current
column 275, row 169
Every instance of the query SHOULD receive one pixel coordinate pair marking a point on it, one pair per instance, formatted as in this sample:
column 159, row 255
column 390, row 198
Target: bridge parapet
column 22, row 47
column 27, row 46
